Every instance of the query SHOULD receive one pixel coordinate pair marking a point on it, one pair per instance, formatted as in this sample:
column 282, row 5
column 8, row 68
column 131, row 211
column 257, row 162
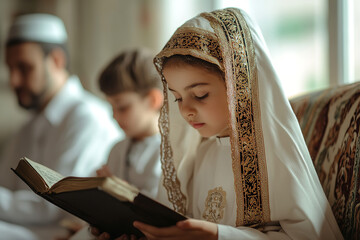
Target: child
column 250, row 176
column 133, row 88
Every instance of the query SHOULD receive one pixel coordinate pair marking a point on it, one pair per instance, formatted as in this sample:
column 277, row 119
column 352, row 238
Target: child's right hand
column 104, row 171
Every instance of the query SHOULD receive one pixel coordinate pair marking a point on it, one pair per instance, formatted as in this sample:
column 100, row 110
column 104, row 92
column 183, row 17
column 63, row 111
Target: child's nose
column 188, row 109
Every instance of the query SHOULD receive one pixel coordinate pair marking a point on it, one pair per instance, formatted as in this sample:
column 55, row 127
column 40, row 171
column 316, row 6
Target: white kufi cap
column 38, row 28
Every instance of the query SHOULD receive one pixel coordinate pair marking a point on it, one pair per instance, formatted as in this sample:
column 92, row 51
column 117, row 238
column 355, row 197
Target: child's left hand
column 191, row 228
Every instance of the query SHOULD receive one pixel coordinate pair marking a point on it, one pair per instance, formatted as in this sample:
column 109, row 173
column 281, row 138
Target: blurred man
column 71, row 131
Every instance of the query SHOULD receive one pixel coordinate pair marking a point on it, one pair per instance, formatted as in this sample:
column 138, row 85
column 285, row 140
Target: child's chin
column 206, row 135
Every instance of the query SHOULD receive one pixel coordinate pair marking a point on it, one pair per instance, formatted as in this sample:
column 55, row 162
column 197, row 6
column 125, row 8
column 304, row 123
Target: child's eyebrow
column 190, row 86
column 195, row 85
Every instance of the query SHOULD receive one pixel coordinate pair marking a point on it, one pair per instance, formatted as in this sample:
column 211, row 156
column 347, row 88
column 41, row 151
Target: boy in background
column 133, row 88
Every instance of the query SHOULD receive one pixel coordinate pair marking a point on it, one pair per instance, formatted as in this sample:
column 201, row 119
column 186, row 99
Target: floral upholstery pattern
column 330, row 122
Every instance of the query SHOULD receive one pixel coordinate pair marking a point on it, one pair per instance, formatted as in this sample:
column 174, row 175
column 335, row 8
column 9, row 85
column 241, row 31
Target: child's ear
column 156, row 98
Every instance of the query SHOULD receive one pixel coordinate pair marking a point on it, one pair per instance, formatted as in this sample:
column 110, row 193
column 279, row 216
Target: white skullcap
column 38, row 28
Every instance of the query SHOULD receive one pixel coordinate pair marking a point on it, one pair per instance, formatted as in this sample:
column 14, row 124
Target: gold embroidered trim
column 170, row 181
column 186, row 41
column 214, row 205
column 249, row 163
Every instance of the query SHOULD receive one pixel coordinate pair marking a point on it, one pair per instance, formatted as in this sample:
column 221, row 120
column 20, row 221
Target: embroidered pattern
column 187, row 41
column 249, row 163
column 214, row 205
column 170, row 182
column 200, row 41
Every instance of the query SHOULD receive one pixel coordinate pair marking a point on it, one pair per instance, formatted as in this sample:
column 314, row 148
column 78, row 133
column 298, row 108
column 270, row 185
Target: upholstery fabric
column 330, row 123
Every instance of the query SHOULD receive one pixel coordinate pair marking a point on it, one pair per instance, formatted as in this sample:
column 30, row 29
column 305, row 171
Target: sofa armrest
column 330, row 122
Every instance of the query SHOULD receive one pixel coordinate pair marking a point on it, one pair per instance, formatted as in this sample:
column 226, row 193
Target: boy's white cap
column 38, row 27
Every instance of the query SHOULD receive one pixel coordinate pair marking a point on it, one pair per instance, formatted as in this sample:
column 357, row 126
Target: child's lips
column 197, row 125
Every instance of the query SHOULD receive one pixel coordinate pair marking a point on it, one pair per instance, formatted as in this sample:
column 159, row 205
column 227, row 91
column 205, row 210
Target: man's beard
column 36, row 99
column 34, row 103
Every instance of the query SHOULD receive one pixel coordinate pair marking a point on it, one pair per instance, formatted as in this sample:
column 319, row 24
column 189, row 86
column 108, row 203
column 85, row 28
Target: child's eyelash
column 202, row 97
column 199, row 98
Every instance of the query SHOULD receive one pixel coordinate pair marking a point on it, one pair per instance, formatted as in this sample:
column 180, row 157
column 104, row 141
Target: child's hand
column 104, row 172
column 187, row 229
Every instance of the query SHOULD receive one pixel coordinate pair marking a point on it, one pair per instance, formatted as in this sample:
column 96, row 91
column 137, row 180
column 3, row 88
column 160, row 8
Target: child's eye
column 178, row 99
column 202, row 97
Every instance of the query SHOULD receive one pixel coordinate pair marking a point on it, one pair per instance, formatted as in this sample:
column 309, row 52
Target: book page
column 120, row 189
column 50, row 176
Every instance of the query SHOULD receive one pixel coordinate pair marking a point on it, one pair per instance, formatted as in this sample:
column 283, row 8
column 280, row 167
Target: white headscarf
column 274, row 177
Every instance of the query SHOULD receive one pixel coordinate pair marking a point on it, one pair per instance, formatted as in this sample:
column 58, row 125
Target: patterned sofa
column 330, row 122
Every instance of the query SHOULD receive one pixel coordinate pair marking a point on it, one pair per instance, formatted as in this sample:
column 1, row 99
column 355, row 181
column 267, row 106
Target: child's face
column 201, row 97
column 132, row 112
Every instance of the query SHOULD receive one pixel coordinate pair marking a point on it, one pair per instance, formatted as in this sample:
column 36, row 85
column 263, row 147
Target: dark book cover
column 104, row 211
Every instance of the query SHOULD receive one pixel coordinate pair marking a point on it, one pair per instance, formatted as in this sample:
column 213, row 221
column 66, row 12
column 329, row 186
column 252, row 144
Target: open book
column 108, row 203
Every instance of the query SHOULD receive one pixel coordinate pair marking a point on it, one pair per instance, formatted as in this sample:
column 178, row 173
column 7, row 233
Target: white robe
column 298, row 224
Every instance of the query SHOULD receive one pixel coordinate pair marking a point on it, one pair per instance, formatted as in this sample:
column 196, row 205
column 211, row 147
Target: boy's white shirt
column 143, row 169
column 296, row 198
